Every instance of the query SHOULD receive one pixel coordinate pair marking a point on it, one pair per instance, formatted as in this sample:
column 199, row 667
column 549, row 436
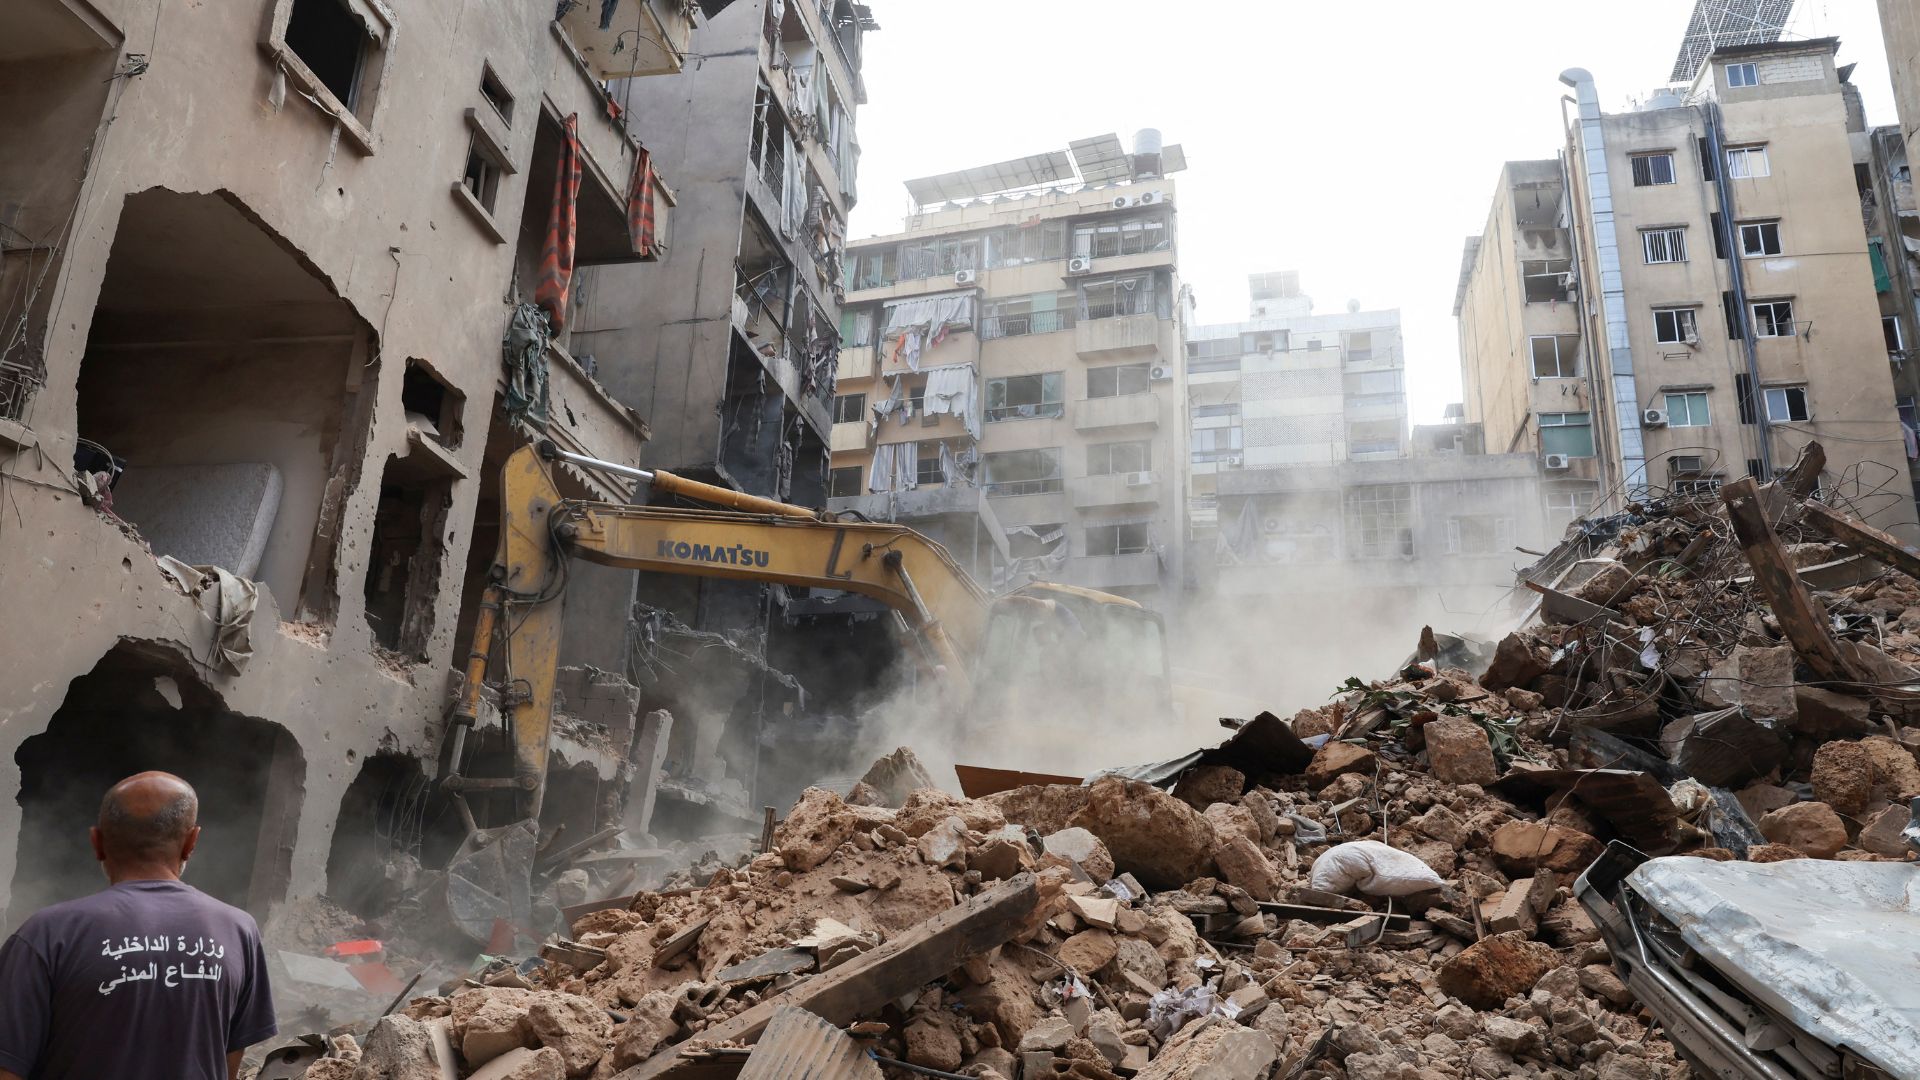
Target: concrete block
column 203, row 515
column 649, row 754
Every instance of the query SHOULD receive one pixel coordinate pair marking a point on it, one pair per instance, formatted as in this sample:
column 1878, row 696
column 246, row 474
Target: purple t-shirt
column 146, row 980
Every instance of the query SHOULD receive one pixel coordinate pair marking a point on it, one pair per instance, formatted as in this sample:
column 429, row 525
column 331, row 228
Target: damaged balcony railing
column 18, row 382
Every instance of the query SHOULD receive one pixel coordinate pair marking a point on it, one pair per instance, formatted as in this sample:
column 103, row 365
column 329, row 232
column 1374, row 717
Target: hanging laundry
column 556, row 258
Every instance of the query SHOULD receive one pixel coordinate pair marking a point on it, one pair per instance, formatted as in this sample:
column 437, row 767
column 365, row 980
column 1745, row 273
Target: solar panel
column 1101, row 159
column 1172, row 159
column 1716, row 24
column 1022, row 172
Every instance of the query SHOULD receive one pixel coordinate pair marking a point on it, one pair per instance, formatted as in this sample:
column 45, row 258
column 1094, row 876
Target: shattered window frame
column 1119, row 538
column 1047, row 389
column 850, row 408
column 1565, row 358
column 1792, row 404
column 1042, row 462
column 1379, row 521
column 1547, row 281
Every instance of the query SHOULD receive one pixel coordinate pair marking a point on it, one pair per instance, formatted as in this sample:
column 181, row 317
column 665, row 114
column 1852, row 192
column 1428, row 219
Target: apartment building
column 1900, row 31
column 260, row 262
column 730, row 348
column 1010, row 377
column 1306, row 481
column 1717, row 310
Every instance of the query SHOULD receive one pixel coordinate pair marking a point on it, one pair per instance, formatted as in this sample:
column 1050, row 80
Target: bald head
column 147, row 818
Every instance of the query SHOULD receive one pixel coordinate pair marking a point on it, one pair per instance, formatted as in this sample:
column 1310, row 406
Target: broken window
column 1747, row 162
column 1548, row 281
column 495, row 93
column 1119, row 381
column 1555, row 357
column 1133, row 234
column 1105, row 459
column 1566, row 433
column 1118, row 296
column 432, row 407
column 1786, row 404
column 1759, row 238
column 340, row 46
column 1743, row 75
column 1040, row 313
column 1672, row 326
column 1664, row 245
column 405, row 556
column 845, row 483
column 1379, row 521
column 1216, row 444
column 874, row 268
column 850, row 409
column 1773, row 318
column 482, row 175
column 1023, row 472
column 1650, row 170
column 1688, row 410
column 1130, row 538
column 1025, row 397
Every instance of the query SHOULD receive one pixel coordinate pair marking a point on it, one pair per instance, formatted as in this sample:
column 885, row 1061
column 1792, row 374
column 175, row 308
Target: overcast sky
column 1355, row 141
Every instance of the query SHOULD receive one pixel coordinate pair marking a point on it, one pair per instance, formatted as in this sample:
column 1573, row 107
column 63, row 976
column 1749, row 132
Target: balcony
column 848, row 437
column 1129, row 410
column 931, row 501
column 1119, row 334
column 1115, row 489
column 1112, row 571
column 855, row 363
column 1376, row 406
column 644, row 37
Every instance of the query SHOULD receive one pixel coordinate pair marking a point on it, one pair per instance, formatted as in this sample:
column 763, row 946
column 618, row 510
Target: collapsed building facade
column 257, row 381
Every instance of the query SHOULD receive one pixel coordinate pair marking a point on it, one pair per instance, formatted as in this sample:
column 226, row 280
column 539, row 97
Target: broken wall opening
column 233, row 386
column 432, row 406
column 405, row 555
column 142, row 707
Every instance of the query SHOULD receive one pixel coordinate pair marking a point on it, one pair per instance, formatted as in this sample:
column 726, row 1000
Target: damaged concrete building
column 258, row 262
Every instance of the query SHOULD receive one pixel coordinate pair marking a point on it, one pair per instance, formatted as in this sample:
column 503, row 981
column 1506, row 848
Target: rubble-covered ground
column 1376, row 889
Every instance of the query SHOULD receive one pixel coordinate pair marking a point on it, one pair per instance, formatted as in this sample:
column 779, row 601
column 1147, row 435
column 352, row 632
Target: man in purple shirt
column 150, row 979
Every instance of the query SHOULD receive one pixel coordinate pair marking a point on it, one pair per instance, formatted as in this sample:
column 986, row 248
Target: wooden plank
column 1801, row 617
column 1310, row 913
column 1863, row 537
column 867, row 982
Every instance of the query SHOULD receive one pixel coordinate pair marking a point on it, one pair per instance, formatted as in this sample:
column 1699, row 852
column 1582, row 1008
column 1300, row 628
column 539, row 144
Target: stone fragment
column 1337, row 759
column 945, row 845
column 1881, row 832
column 896, row 776
column 1244, row 865
column 1516, row 662
column 1088, row 951
column 1084, row 849
column 1604, row 983
column 1896, row 776
column 1609, row 586
column 1811, row 828
column 649, row 1025
column 1493, row 969
column 932, row 1042
column 1523, row 700
column 1265, row 817
column 1051, row 1033
column 1725, row 747
column 1828, row 714
column 1511, row 1036
column 1204, row 785
column 1765, row 853
column 1135, row 961
column 1044, row 808
column 490, row 1021
column 1523, row 847
column 572, row 1026
column 1459, row 753
column 1443, row 825
column 999, row 859
column 1759, row 678
column 864, row 794
column 1760, row 798
column 814, row 828
column 1161, row 840
column 1843, row 777
column 397, row 1049
column 1232, row 819
column 522, row 1064
column 929, row 807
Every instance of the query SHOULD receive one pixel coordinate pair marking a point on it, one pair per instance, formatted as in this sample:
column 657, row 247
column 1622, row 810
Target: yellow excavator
column 987, row 652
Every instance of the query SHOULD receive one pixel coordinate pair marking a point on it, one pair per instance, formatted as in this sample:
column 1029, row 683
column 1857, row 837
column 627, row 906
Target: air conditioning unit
column 1160, row 373
column 1234, row 462
column 1120, row 202
column 1272, row 524
column 1079, row 264
column 965, row 277
column 1654, row 418
column 1557, row 462
column 1139, row 479
column 1148, row 198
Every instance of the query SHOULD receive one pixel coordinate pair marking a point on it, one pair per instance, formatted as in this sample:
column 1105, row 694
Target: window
column 1360, row 346
column 1129, row 539
column 1230, row 409
column 1773, row 318
column 939, row 257
column 1555, row 357
column 1747, row 162
column 1668, row 245
column 1675, row 326
column 1120, row 296
column 495, row 92
column 1478, row 534
column 1215, row 444
column 1023, row 472
column 1358, row 383
column 1566, row 503
column 1105, row 459
column 1650, row 170
column 482, row 175
column 873, row 268
column 1743, row 397
column 1687, row 410
column 1265, row 341
column 1707, row 171
column 1548, row 280
column 1743, row 75
column 849, row 408
column 1890, row 330
column 1786, row 404
column 1213, row 354
column 1040, row 313
column 1118, row 381
column 1567, row 433
column 1380, row 521
column 856, row 328
column 1125, row 235
column 341, row 55
column 1024, row 397
column 845, row 483
column 926, row 462
column 1021, row 245
column 1699, row 485
column 1759, row 238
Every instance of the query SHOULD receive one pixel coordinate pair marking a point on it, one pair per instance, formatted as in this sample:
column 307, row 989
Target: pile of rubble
column 1376, row 889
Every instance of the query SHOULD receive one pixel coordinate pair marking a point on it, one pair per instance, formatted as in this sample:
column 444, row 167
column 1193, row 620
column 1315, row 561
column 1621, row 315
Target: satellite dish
column 1353, row 306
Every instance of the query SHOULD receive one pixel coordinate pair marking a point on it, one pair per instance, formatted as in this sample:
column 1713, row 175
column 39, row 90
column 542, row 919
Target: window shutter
column 1719, row 227
column 1709, row 171
column 1734, row 325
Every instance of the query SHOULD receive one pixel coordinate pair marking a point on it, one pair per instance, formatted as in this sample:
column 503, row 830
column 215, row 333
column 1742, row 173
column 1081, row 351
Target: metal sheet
column 1101, row 159
column 1264, row 745
column 1014, row 174
column 977, row 782
column 1716, row 24
column 798, row 1045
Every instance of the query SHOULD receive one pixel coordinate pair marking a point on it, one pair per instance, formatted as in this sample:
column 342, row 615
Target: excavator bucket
column 490, row 879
